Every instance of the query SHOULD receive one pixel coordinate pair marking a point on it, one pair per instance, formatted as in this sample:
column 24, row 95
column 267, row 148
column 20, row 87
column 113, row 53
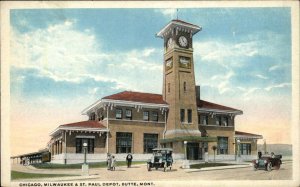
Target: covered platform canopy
column 189, row 138
column 34, row 157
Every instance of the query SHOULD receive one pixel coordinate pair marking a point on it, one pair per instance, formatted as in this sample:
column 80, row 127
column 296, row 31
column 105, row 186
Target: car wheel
column 277, row 165
column 269, row 166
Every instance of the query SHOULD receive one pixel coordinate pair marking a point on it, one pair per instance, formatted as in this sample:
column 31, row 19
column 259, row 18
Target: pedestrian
column 113, row 163
column 129, row 160
column 259, row 154
column 108, row 161
column 272, row 155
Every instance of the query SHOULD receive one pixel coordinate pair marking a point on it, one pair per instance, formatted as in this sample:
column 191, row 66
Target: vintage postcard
column 150, row 93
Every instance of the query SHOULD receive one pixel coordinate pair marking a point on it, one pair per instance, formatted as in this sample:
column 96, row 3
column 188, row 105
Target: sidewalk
column 219, row 168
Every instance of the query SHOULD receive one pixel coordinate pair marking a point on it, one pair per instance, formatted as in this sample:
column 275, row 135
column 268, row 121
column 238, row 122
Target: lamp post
column 185, row 163
column 185, row 151
column 84, row 151
column 85, row 166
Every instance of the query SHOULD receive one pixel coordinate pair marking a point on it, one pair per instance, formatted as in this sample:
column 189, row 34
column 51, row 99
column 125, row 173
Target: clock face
column 183, row 42
column 170, row 43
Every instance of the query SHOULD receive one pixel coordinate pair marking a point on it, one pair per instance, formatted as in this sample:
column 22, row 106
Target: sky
column 63, row 60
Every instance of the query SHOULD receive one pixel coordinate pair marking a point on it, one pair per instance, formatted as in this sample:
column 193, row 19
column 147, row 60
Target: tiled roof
column 245, row 134
column 137, row 97
column 158, row 99
column 85, row 124
column 209, row 105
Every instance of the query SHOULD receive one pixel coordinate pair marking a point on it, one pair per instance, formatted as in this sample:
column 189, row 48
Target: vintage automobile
column 267, row 162
column 161, row 158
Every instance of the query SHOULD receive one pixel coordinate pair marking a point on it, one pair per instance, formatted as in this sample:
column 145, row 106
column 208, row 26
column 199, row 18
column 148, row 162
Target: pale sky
column 63, row 60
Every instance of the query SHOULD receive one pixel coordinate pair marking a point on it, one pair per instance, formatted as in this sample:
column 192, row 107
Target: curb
column 218, row 168
column 59, row 179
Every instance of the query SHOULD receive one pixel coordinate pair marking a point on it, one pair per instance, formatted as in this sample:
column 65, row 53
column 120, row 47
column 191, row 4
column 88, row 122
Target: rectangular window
column 169, row 87
column 118, row 113
column 128, row 114
column 182, row 115
column 204, row 119
column 245, row 148
column 91, row 145
column 154, row 116
column 124, row 142
column 150, row 142
column 184, row 86
column 189, row 115
column 92, row 116
column 146, row 116
column 225, row 121
column 218, row 120
column 81, row 141
column 79, row 145
column 222, row 145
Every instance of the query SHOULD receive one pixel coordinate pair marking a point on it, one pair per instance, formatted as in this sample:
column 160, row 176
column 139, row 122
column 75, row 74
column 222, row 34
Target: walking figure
column 113, row 163
column 108, row 162
column 129, row 160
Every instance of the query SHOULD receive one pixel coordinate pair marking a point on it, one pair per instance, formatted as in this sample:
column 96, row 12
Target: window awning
column 189, row 138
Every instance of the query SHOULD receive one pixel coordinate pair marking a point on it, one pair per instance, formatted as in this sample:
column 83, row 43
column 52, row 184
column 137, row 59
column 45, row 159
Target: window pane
column 204, row 119
column 155, row 116
column 189, row 116
column 128, row 114
column 150, row 142
column 124, row 142
column 245, row 148
column 222, row 145
column 81, row 141
column 146, row 116
column 78, row 145
column 118, row 114
column 218, row 120
column 182, row 115
column 225, row 121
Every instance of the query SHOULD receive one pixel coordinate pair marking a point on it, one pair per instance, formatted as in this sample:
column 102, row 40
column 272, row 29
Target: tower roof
column 180, row 25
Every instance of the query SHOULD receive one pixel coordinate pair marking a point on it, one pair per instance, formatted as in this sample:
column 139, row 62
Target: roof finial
column 177, row 13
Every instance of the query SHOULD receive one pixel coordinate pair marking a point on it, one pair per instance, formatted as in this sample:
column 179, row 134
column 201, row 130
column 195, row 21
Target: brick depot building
column 135, row 122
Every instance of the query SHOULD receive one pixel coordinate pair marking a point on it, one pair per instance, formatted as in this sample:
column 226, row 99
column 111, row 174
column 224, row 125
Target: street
column 140, row 173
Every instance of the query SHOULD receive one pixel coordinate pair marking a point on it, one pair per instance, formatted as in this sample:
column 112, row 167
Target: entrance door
column 193, row 151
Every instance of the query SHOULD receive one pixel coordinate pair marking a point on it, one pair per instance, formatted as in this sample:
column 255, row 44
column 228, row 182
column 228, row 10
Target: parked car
column 161, row 158
column 267, row 162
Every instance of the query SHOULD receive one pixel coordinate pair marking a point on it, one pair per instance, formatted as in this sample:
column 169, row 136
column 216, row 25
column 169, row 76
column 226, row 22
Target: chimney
column 197, row 92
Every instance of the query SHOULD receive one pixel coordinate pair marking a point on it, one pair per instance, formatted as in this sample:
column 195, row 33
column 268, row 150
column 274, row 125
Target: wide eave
column 87, row 126
column 205, row 106
column 246, row 135
column 191, row 28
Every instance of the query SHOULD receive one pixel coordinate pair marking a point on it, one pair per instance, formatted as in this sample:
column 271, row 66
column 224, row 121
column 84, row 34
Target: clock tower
column 179, row 80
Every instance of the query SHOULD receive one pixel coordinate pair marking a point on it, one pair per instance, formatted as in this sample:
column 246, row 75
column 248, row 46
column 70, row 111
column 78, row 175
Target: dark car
column 161, row 158
column 267, row 162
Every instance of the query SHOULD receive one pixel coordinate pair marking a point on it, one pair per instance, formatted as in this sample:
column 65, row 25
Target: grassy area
column 78, row 166
column 205, row 165
column 20, row 175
